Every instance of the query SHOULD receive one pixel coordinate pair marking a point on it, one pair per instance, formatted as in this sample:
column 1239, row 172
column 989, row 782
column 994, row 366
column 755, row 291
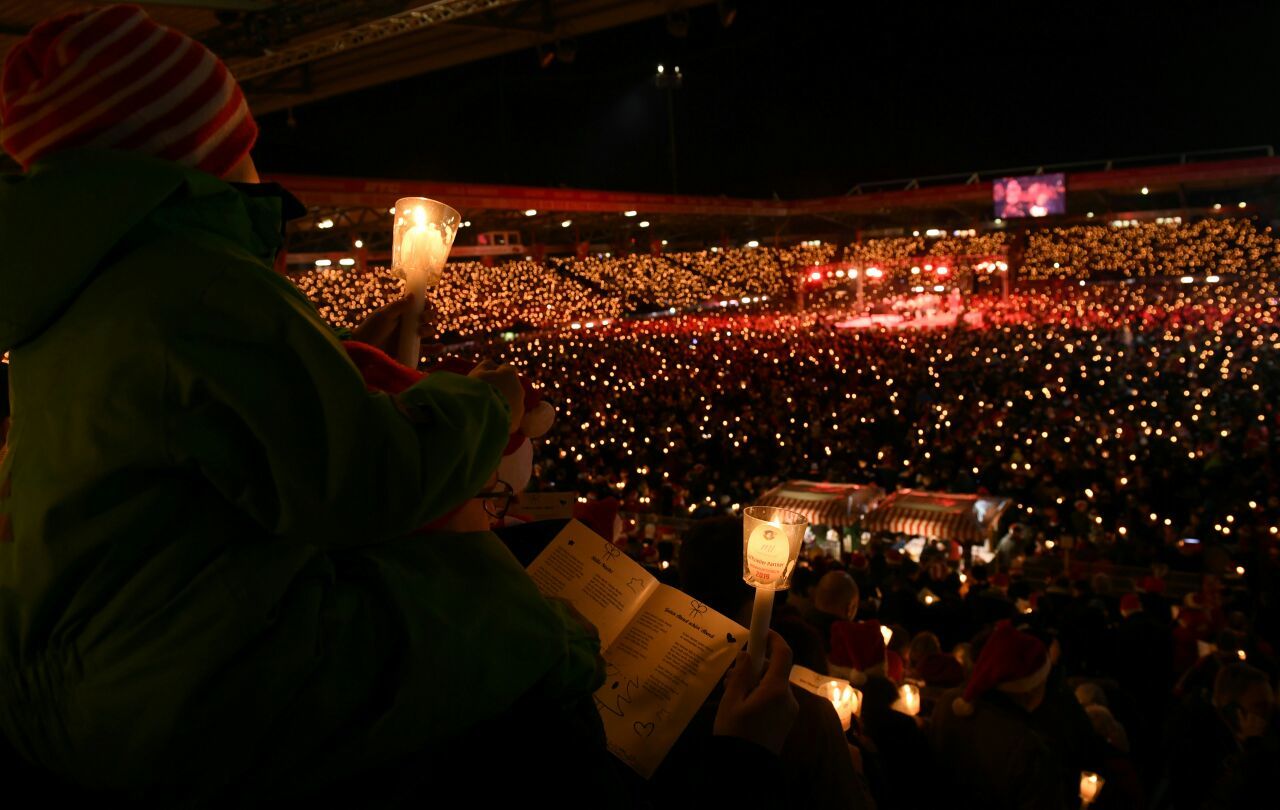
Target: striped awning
column 937, row 515
column 824, row 504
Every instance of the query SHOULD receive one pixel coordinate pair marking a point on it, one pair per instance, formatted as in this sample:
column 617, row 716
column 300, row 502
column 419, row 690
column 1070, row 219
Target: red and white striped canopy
column 937, row 515
column 824, row 504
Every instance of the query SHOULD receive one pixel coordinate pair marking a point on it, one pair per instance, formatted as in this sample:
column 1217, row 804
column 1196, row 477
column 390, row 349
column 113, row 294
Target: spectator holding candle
column 210, row 586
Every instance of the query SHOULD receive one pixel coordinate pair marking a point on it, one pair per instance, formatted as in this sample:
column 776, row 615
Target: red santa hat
column 859, row 646
column 1151, row 584
column 1011, row 661
column 112, row 78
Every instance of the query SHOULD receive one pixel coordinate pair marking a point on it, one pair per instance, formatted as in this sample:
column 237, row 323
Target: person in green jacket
column 210, row 578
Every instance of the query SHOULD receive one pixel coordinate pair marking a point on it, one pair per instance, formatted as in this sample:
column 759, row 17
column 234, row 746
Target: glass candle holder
column 421, row 238
column 771, row 539
column 423, row 233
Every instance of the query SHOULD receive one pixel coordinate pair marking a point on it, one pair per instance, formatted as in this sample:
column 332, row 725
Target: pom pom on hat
column 1011, row 661
column 113, row 78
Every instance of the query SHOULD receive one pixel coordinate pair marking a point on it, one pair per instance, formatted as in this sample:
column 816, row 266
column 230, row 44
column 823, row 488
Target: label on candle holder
column 768, row 554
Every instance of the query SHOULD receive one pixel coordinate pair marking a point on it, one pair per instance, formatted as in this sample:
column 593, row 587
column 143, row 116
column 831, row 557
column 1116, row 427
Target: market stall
column 959, row 518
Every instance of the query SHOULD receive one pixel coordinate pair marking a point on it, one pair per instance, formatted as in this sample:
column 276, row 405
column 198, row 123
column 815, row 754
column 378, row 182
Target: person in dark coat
column 985, row 733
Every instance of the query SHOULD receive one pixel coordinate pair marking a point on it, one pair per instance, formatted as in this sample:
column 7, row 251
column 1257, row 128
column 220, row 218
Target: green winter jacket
column 208, row 576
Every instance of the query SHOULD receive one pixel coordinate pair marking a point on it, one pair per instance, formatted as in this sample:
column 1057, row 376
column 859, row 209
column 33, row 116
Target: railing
column 1104, row 165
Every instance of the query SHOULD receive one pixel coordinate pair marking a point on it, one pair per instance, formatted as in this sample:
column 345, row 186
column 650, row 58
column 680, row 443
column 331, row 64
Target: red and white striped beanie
column 113, row 78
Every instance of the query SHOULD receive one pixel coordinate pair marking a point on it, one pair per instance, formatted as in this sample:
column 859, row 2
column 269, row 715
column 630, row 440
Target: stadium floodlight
column 323, row 262
column 1217, row 206
column 1145, row 190
column 359, row 244
column 1212, row 279
column 644, row 223
column 1187, row 279
column 531, row 212
column 347, row 262
column 1242, row 203
column 629, row 213
column 753, row 244
column 566, row 223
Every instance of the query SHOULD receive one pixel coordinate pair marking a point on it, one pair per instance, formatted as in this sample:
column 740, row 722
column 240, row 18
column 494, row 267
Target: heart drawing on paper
column 732, row 639
column 642, row 729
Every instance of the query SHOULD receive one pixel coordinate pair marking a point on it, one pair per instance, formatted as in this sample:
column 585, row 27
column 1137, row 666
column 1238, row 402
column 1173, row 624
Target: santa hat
column 942, row 670
column 895, row 667
column 1151, row 584
column 1011, row 661
column 113, row 78
column 1130, row 604
column 859, row 646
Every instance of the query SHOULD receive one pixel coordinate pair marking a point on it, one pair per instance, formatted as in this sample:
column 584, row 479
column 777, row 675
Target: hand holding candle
column 421, row 238
column 771, row 539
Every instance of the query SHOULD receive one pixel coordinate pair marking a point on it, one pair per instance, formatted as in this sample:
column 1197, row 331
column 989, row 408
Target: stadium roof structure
column 344, row 209
column 290, row 52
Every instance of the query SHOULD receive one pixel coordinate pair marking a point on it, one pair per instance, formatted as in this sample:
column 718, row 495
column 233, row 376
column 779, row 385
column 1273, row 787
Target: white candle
column 1090, row 786
column 424, row 246
column 887, row 632
column 770, row 544
column 421, row 238
column 758, row 639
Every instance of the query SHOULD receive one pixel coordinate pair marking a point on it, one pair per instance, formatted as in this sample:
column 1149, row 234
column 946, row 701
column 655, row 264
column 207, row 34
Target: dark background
column 807, row 98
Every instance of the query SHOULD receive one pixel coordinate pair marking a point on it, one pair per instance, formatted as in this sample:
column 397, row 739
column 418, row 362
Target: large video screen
column 1037, row 195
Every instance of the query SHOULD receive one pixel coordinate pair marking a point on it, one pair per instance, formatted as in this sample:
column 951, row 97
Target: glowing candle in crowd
column 1090, row 786
column 908, row 699
column 421, row 238
column 771, row 539
column 887, row 632
column 846, row 700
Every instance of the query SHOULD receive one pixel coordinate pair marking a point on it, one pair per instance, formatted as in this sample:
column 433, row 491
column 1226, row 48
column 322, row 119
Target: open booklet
column 664, row 651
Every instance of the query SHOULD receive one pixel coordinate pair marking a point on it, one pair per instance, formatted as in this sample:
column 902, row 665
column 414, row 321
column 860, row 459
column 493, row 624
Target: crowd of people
column 475, row 299
column 248, row 559
column 1211, row 246
column 1132, row 424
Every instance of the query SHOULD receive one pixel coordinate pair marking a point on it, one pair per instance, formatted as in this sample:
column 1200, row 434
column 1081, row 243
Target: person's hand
column 503, row 377
column 588, row 627
column 760, row 712
column 382, row 328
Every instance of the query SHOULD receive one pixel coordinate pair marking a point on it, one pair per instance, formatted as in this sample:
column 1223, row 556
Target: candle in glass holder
column 1090, row 786
column 421, row 238
column 771, row 539
column 908, row 699
column 846, row 700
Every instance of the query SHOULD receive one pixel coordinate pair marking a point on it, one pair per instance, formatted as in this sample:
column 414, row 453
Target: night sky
column 804, row 99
